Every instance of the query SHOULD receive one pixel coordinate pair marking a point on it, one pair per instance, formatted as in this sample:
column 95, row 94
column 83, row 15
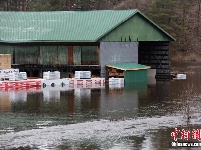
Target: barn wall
column 89, row 55
column 117, row 52
column 47, row 55
column 136, row 28
column 52, row 54
column 26, row 54
column 77, row 55
column 156, row 55
column 4, row 49
column 62, row 55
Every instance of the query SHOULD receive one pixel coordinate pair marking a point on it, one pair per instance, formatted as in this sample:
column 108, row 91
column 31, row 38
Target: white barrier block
column 55, row 82
column 66, row 81
column 11, row 76
column 116, row 80
column 181, row 76
column 51, row 75
column 82, row 74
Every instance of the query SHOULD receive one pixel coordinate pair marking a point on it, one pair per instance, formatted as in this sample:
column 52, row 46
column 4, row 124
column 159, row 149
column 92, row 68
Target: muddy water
column 81, row 118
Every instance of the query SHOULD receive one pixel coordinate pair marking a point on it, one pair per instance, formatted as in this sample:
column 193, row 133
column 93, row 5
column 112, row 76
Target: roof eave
column 49, row 41
column 128, row 69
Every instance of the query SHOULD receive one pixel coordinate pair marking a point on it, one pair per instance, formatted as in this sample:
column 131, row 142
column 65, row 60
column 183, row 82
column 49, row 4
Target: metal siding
column 48, row 55
column 4, row 49
column 62, row 55
column 117, row 52
column 137, row 28
column 59, row 25
column 69, row 25
column 135, row 76
column 89, row 55
column 77, row 55
column 26, row 54
column 139, row 86
column 19, row 56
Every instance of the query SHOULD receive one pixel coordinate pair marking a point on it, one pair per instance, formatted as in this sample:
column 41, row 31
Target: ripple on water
column 100, row 131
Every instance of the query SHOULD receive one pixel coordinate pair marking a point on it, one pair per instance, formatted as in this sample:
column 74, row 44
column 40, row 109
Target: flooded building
column 67, row 41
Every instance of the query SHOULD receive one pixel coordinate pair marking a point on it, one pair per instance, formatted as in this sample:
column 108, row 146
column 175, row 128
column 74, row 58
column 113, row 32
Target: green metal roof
column 128, row 66
column 61, row 26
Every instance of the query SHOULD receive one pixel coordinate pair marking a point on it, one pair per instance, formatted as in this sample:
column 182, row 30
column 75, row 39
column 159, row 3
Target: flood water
column 143, row 116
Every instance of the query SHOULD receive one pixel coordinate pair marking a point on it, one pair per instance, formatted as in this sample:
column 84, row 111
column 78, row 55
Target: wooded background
column 180, row 18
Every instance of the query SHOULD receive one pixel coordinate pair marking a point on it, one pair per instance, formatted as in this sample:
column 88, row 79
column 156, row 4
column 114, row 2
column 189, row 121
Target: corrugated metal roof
column 60, row 26
column 128, row 66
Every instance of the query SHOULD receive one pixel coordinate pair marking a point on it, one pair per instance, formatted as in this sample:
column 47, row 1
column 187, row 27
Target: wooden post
column 70, row 55
column 98, row 53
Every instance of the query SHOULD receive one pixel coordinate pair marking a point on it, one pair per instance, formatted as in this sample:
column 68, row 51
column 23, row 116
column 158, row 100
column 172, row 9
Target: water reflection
column 79, row 118
column 122, row 102
column 5, row 103
column 113, row 101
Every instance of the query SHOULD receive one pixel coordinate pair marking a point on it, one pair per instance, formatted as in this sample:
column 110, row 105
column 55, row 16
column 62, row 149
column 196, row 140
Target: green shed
column 67, row 41
column 132, row 72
